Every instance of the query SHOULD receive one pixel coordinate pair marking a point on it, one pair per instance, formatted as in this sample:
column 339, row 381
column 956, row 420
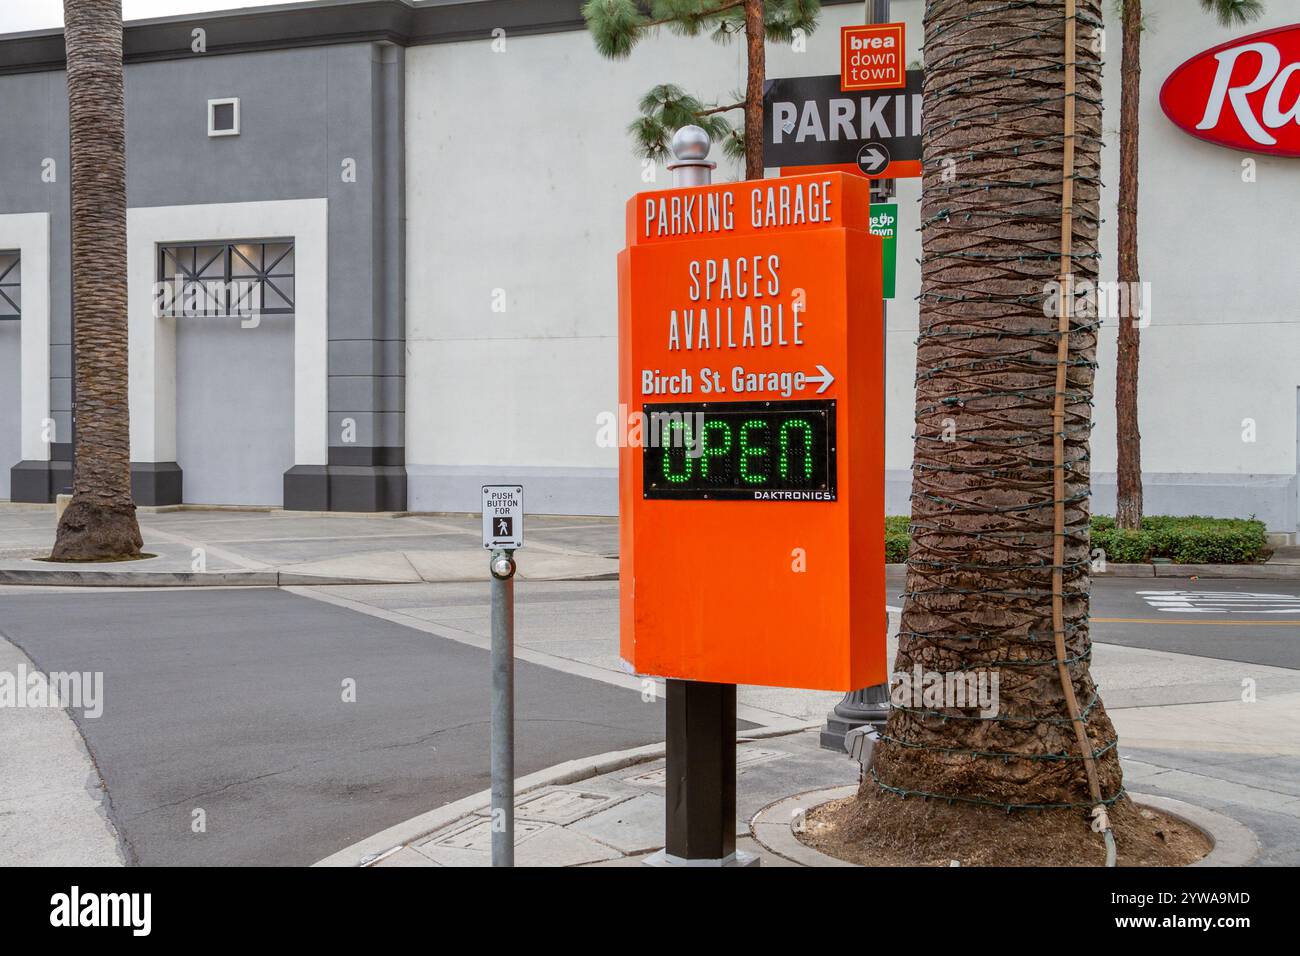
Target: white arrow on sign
column 826, row 378
column 873, row 158
column 877, row 158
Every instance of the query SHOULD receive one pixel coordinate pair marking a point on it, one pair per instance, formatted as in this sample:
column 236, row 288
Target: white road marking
column 1221, row 602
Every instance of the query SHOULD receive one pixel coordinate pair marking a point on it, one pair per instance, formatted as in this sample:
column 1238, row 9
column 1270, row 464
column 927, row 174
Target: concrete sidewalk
column 1188, row 730
column 610, row 811
column 272, row 548
column 617, row 818
column 276, row 548
column 53, row 804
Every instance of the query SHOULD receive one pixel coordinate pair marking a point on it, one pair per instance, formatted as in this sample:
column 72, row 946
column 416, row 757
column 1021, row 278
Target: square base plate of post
column 739, row 858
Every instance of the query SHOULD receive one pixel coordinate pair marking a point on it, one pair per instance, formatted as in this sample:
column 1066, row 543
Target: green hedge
column 897, row 539
column 1191, row 540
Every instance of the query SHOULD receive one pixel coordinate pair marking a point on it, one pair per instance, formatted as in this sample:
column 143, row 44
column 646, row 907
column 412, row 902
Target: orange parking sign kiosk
column 752, row 499
column 751, row 479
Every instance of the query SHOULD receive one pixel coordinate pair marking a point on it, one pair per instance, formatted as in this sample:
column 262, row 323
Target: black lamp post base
column 870, row 705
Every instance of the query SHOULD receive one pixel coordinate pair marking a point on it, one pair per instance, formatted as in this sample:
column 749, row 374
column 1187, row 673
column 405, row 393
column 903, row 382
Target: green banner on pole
column 884, row 223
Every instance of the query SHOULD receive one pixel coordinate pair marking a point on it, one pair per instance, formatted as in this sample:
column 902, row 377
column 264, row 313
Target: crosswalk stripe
column 1220, row 602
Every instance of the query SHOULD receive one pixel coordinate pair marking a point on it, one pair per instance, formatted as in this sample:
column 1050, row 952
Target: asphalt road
column 231, row 701
column 1253, row 621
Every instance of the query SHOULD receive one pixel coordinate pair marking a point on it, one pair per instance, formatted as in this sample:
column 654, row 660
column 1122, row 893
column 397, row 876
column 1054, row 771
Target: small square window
column 223, row 117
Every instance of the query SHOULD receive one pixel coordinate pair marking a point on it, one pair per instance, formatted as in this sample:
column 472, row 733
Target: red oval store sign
column 1244, row 94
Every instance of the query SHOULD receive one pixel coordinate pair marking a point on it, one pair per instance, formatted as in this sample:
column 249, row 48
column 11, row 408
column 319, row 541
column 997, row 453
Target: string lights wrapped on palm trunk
column 998, row 573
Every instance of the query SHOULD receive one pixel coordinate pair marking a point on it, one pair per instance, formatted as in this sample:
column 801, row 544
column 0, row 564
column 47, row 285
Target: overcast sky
column 19, row 15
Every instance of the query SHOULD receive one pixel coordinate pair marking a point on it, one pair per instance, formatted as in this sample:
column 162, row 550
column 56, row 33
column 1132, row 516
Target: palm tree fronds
column 615, row 25
column 783, row 17
column 1234, row 13
column 665, row 109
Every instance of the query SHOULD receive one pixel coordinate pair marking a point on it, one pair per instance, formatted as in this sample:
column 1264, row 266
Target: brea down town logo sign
column 752, row 476
column 1244, row 94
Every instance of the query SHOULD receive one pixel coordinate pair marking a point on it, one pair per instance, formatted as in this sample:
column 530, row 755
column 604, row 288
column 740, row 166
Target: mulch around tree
column 876, row 828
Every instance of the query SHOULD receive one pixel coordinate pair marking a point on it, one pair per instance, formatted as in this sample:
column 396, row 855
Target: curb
column 1274, row 572
column 1234, row 843
column 273, row 579
column 771, row 826
column 169, row 579
column 372, row 849
column 62, row 577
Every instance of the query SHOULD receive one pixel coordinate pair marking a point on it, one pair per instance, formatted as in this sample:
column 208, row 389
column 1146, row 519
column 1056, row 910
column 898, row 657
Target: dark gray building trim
column 37, row 482
column 156, row 483
column 307, row 488
column 345, row 487
column 356, row 479
column 319, row 23
column 355, row 456
column 153, row 483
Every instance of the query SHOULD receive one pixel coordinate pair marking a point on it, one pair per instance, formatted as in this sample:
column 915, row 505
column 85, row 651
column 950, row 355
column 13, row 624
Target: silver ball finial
column 691, row 146
column 691, row 143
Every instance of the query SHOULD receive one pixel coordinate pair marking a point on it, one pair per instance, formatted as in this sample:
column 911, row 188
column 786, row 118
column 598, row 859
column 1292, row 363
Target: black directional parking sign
column 810, row 121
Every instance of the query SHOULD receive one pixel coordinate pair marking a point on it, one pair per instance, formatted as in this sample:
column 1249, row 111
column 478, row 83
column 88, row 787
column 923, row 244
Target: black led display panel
column 740, row 451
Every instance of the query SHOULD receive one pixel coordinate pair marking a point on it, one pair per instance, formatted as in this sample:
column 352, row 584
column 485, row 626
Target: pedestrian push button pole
column 503, row 532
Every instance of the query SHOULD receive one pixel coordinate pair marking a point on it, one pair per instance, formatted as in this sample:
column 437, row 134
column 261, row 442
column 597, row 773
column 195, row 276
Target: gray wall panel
column 279, row 154
column 366, row 394
column 34, row 121
column 352, row 357
column 11, row 451
column 373, row 429
column 234, row 409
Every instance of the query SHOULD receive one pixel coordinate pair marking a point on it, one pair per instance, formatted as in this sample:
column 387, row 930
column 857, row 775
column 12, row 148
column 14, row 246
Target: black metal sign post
column 701, row 777
column 811, row 121
column 700, row 750
column 870, row 705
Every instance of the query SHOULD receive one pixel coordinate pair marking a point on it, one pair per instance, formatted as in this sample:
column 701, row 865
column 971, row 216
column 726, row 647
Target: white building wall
column 1223, row 345
column 152, row 357
column 518, row 168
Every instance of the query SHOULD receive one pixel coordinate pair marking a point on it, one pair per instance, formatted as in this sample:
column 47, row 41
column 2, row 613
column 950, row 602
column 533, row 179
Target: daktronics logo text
column 1244, row 94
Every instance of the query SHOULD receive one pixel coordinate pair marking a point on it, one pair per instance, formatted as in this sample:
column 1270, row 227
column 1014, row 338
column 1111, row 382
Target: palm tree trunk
column 1128, row 441
column 100, row 521
column 980, row 577
column 757, row 69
